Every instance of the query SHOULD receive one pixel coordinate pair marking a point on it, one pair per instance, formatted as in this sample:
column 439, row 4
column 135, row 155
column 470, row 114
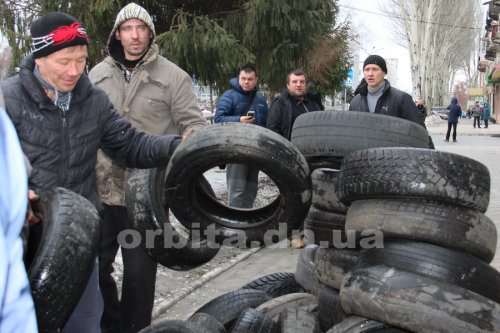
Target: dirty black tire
column 325, row 190
column 226, row 308
column 169, row 326
column 383, row 173
column 275, row 306
column 416, row 303
column 148, row 214
column 336, row 134
column 65, row 257
column 331, row 265
column 205, row 323
column 435, row 262
column 246, row 144
column 443, row 224
column 275, row 284
column 355, row 324
column 304, row 271
column 324, row 228
column 253, row 321
column 296, row 320
column 330, row 310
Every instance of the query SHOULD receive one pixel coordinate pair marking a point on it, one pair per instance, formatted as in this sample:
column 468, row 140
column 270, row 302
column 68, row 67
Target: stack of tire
column 432, row 272
column 429, row 209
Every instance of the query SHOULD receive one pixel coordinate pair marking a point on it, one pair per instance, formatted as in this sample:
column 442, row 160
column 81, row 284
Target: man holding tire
column 376, row 95
column 242, row 103
column 157, row 97
column 62, row 120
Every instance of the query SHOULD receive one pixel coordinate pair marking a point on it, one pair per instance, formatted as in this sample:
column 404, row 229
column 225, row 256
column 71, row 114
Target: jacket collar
column 82, row 89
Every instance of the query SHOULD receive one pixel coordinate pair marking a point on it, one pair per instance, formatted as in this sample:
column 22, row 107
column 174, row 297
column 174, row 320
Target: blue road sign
column 349, row 79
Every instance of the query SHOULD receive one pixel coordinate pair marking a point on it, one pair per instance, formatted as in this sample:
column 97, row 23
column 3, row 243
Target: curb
column 162, row 308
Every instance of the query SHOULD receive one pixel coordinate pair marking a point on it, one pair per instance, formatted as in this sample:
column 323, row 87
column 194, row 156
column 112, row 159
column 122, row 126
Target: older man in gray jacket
column 157, row 97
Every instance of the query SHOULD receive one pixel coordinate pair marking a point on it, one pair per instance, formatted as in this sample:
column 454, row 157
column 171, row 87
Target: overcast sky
column 375, row 36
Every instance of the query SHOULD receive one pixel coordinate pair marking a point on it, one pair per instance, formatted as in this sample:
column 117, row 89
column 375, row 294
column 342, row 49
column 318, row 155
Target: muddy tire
column 436, row 262
column 326, row 134
column 355, row 324
column 416, row 303
column 304, row 271
column 383, row 173
column 295, row 320
column 331, row 265
column 324, row 228
column 325, row 191
column 148, row 214
column 275, row 306
column 447, row 225
column 65, row 257
column 246, row 144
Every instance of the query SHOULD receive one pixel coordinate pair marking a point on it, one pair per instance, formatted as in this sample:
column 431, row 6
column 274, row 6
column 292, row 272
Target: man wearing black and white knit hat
column 158, row 97
column 376, row 94
column 61, row 121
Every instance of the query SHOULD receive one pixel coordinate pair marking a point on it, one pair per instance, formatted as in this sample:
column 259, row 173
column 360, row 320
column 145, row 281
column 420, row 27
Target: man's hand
column 246, row 119
column 187, row 133
column 32, row 217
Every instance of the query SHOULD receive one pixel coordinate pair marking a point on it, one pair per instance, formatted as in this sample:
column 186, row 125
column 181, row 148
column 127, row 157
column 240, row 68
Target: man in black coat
column 294, row 101
column 377, row 96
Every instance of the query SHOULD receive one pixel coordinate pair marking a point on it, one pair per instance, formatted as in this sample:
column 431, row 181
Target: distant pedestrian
column 476, row 113
column 486, row 114
column 421, row 108
column 455, row 113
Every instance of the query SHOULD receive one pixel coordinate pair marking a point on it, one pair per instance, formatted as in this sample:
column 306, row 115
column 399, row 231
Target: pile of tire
column 428, row 206
column 437, row 245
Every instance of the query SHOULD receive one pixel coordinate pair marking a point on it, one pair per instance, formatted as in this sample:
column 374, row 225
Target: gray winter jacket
column 62, row 147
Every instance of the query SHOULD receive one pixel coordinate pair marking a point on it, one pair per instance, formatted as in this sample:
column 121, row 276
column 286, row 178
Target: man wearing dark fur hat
column 157, row 97
column 62, row 120
column 377, row 96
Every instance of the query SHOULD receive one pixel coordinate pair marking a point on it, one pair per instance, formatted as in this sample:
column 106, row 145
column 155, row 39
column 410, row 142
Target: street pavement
column 480, row 144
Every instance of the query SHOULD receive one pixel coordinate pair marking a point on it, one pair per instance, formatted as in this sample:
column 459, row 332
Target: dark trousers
column 454, row 131
column 486, row 123
column 478, row 122
column 133, row 311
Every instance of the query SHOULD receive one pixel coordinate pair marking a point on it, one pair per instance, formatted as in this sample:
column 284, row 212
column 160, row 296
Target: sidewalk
column 436, row 125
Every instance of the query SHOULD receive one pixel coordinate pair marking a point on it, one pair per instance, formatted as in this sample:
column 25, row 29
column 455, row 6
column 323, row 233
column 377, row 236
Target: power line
column 407, row 19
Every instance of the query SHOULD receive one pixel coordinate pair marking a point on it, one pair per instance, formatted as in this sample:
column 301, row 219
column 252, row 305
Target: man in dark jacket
column 455, row 113
column 377, row 96
column 294, row 101
column 234, row 106
column 62, row 120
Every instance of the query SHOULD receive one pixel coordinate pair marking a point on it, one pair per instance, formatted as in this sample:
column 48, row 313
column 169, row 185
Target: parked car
column 441, row 111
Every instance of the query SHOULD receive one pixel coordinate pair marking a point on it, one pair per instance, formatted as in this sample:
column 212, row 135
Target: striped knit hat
column 130, row 11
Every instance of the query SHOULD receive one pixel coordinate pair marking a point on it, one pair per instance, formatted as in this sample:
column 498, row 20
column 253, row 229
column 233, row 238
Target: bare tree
column 5, row 62
column 441, row 39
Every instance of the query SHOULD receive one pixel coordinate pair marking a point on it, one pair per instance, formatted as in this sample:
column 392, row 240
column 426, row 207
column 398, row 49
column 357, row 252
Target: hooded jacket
column 455, row 111
column 62, row 147
column 158, row 99
column 235, row 103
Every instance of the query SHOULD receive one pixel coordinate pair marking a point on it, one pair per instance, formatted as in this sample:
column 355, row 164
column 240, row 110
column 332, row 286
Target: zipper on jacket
column 64, row 148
